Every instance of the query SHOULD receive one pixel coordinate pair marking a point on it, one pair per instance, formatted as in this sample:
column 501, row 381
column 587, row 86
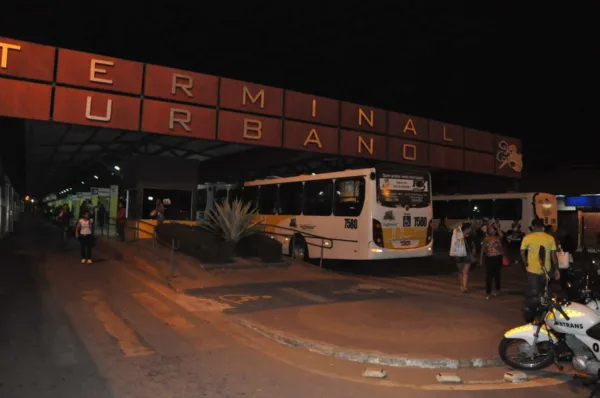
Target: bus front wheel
column 298, row 248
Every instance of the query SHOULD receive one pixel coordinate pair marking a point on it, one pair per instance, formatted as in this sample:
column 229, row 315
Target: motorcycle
column 560, row 330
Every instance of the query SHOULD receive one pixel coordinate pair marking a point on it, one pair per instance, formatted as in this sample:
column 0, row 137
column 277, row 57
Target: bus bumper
column 379, row 253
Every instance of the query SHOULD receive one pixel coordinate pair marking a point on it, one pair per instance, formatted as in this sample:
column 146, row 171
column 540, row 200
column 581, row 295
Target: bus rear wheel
column 299, row 249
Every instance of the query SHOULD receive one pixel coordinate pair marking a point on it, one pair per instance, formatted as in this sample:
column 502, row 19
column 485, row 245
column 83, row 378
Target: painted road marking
column 309, row 296
column 189, row 303
column 200, row 338
column 161, row 311
column 129, row 343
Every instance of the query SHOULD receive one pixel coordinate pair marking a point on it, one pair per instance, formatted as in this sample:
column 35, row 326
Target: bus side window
column 349, row 197
column 290, row 198
column 457, row 209
column 250, row 194
column 220, row 195
column 508, row 209
column 234, row 194
column 318, row 198
column 267, row 199
column 439, row 209
column 481, row 208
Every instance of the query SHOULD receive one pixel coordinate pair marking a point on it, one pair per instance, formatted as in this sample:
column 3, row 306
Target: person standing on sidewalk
column 160, row 212
column 64, row 217
column 492, row 253
column 121, row 215
column 538, row 253
column 463, row 263
column 84, row 231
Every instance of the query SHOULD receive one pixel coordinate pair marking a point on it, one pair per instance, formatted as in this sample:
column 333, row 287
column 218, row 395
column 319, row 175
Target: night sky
column 523, row 71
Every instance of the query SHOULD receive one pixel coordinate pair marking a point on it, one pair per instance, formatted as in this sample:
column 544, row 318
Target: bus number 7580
column 350, row 223
column 420, row 221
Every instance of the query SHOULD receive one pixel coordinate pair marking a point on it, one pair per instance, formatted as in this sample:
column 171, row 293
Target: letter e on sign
column 97, row 71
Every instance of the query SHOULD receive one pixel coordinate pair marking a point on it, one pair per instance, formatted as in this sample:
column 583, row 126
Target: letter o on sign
column 596, row 347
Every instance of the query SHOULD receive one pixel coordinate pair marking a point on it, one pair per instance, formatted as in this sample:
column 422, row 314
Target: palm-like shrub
column 232, row 220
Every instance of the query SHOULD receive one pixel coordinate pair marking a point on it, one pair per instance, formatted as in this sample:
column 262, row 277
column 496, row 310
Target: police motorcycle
column 560, row 330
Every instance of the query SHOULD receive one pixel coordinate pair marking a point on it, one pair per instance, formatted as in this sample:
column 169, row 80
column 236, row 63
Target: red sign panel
column 446, row 134
column 96, row 109
column 509, row 156
column 361, row 117
column 311, row 108
column 479, row 140
column 249, row 129
column 477, row 162
column 26, row 60
column 363, row 145
column 185, row 120
column 179, row 85
column 443, row 157
column 250, row 97
column 310, row 137
column 24, row 99
column 97, row 71
column 405, row 151
column 407, row 126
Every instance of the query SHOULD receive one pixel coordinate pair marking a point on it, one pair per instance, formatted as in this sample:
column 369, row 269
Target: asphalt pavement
column 107, row 330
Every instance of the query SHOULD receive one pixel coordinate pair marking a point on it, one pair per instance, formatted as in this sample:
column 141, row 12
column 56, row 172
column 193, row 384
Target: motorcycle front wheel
column 524, row 360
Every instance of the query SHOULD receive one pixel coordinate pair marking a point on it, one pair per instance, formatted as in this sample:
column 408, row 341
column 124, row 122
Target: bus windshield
column 403, row 188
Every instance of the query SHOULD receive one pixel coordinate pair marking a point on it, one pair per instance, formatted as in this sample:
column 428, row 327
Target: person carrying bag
column 462, row 249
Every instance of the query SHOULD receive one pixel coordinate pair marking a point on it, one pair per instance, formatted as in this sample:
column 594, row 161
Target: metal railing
column 304, row 235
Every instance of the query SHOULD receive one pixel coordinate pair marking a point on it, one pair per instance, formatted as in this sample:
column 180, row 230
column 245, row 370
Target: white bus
column 359, row 214
column 514, row 211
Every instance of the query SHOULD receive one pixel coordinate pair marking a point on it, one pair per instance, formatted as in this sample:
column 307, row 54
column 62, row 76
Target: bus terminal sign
column 45, row 83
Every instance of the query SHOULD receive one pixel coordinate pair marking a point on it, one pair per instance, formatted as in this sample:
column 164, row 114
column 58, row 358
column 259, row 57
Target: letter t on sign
column 4, row 54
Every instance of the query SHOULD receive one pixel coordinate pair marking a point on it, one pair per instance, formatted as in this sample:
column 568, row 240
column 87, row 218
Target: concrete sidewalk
column 422, row 322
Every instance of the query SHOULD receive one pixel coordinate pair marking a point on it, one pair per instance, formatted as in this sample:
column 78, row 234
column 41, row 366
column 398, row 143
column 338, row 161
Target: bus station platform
column 406, row 320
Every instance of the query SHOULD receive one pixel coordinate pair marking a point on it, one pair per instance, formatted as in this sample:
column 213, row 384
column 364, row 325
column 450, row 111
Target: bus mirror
column 372, row 176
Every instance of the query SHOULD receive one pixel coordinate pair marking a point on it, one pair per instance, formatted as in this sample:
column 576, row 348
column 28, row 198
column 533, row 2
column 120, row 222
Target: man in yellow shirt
column 530, row 254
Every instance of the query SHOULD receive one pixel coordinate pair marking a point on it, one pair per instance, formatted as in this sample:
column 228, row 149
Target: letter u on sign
column 98, row 118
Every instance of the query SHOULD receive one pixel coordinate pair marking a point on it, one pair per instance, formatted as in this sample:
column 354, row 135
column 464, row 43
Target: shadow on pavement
column 435, row 265
column 41, row 353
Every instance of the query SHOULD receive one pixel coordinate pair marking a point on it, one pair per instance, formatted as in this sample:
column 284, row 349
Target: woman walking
column 492, row 253
column 84, row 232
column 463, row 263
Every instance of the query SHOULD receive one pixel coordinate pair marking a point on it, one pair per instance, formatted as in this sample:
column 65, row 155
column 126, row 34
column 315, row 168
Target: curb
column 373, row 358
column 218, row 267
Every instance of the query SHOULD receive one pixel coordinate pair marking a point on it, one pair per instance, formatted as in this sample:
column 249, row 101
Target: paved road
column 103, row 330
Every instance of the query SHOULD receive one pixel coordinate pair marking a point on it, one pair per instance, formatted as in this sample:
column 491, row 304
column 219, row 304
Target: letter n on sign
column 364, row 145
